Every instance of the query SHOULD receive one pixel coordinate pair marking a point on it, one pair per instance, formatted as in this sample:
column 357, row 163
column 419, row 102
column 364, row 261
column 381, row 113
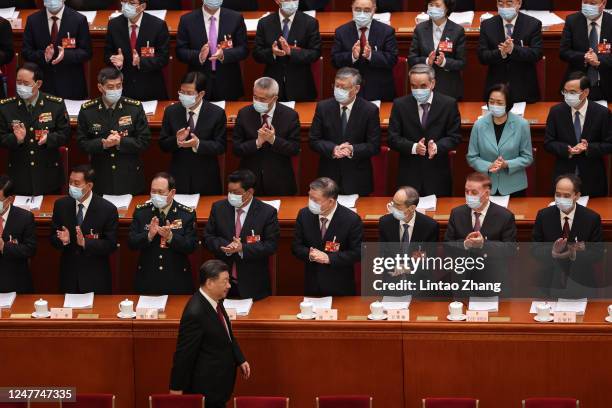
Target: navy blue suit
column 66, row 79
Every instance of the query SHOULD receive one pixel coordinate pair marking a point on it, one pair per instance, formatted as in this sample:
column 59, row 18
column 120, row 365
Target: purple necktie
column 212, row 41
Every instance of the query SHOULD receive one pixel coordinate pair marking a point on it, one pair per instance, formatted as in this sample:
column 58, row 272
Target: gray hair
column 412, row 195
column 326, row 186
column 267, row 84
column 423, row 69
column 348, row 72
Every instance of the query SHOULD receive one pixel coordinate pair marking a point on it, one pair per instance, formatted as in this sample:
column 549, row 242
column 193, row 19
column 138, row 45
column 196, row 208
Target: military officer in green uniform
column 33, row 126
column 164, row 232
column 114, row 131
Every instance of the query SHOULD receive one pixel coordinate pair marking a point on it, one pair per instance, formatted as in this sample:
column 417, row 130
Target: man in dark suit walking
column 266, row 136
column 17, row 242
column 288, row 42
column 579, row 134
column 244, row 231
column 207, row 352
column 510, row 44
column 424, row 127
column 213, row 40
column 7, row 51
column 369, row 46
column 328, row 240
column 57, row 39
column 138, row 44
column 84, row 229
column 194, row 132
column 585, row 46
column 345, row 132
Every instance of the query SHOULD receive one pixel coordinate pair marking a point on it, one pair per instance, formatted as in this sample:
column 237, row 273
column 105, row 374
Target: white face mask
column 75, row 192
column 53, row 5
column 129, row 10
column 564, row 204
column 473, row 201
column 25, row 92
column 112, row 96
column 397, row 214
column 260, row 107
column 314, row 207
column 361, row 18
column 572, row 100
column 187, row 100
column 341, row 95
column 159, row 201
column 289, row 7
column 213, row 4
column 497, row 110
column 507, row 13
column 235, row 200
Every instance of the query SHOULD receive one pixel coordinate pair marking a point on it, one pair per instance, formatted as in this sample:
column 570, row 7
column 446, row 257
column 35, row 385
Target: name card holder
column 427, row 318
column 398, row 315
column 61, row 313
column 147, row 314
column 327, row 314
column 564, row 317
column 477, row 316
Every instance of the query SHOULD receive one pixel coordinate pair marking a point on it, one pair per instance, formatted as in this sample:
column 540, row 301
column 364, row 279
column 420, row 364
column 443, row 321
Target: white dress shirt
column 270, row 115
column 349, row 109
column 582, row 114
column 85, row 204
column 245, row 211
column 597, row 27
column 282, row 21
column 420, row 108
column 570, row 217
column 5, row 217
column 59, row 19
column 210, row 300
column 437, row 31
column 409, row 225
column 196, row 115
column 207, row 22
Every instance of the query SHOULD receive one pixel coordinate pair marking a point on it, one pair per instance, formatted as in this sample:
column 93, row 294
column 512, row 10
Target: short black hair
column 86, row 170
column 585, row 83
column 450, row 6
column 168, row 177
column 108, row 73
column 576, row 181
column 326, row 186
column 197, row 78
column 504, row 89
column 245, row 177
column 6, row 186
column 33, row 68
column 211, row 270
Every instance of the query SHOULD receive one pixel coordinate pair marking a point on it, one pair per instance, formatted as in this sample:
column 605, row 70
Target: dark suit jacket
column 384, row 6
column 353, row 175
column 187, row 166
column 519, row 68
column 86, row 269
column 575, row 43
column 164, row 5
column 147, row 82
column 241, row 5
column 425, row 229
column 338, row 277
column 271, row 164
column 498, row 224
column 20, row 4
column 585, row 227
column 597, row 130
column 15, row 273
column 66, row 79
column 377, row 73
column 206, row 358
column 292, row 72
column 7, row 51
column 90, row 4
column 466, row 5
column 191, row 36
column 448, row 79
column 252, row 266
column 443, row 127
column 318, row 5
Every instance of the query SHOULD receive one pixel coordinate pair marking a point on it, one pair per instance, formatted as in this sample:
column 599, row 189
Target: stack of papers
column 9, row 13
column 28, row 202
column 320, row 303
column 464, row 19
column 500, row 200
column 485, row 16
column 485, row 304
column 242, row 306
column 251, row 23
column 152, row 302
column 519, row 108
column 149, row 107
column 396, row 302
column 571, row 305
column 79, row 300
column 289, row 104
column 348, row 200
column 311, row 13
column 427, row 203
column 546, row 17
column 383, row 18
column 377, row 103
column 274, row 203
column 74, row 107
column 89, row 15
column 122, row 202
column 583, row 201
column 161, row 14
column 220, row 104
column 189, row 200
column 7, row 299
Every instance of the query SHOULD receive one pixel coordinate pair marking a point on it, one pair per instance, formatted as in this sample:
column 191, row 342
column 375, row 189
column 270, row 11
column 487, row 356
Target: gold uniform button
column 31, row 163
column 31, row 140
column 114, row 167
column 161, row 257
column 31, row 129
column 161, row 268
column 112, row 154
column 32, row 152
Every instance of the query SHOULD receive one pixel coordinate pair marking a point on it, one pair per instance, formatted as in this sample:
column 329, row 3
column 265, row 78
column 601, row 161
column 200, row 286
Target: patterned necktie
column 577, row 127
column 212, row 40
column 237, row 232
column 264, row 120
column 344, row 120
column 592, row 72
column 476, row 221
column 509, row 30
column 566, row 229
column 54, row 29
column 362, row 39
column 286, row 29
column 323, row 227
column 133, row 37
column 79, row 217
column 190, row 122
column 425, row 107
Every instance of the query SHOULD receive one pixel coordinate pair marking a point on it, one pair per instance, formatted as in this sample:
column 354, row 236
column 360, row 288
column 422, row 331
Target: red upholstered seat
column 176, row 401
column 261, row 402
column 344, row 401
column 91, row 401
column 13, row 404
column 400, row 76
column 551, row 403
column 450, row 403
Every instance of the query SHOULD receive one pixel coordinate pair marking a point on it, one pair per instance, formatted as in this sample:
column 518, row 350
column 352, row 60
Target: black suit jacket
column 466, row 5
column 292, row 72
column 144, row 83
column 241, row 5
column 338, row 277
column 353, row 175
column 7, row 51
column 86, row 269
column 443, row 127
column 597, row 130
column 66, row 79
column 425, row 229
column 575, row 43
column 187, row 166
column 271, row 164
column 19, row 237
column 164, row 5
column 227, row 81
column 498, row 224
column 206, row 357
column 20, row 4
column 448, row 79
column 252, row 266
column 586, row 226
column 90, row 4
column 519, row 68
column 377, row 73
column 318, row 5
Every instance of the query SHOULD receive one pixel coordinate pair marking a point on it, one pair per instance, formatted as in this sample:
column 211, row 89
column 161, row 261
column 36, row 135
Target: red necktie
column 54, row 29
column 133, row 37
column 566, row 229
column 237, row 231
column 476, row 221
column 362, row 39
column 222, row 319
column 264, row 120
column 323, row 227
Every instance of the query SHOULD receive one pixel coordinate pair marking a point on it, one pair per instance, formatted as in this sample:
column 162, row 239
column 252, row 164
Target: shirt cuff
column 444, row 63
column 195, row 148
column 414, row 148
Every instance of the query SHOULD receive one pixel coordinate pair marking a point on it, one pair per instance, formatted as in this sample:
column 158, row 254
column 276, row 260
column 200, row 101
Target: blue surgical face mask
column 397, row 214
column 25, row 92
column 261, row 107
column 497, row 110
column 235, row 200
column 473, row 201
column 590, row 11
column 129, row 10
column 572, row 99
column 213, row 4
column 564, row 204
column 159, row 201
column 53, row 5
column 421, row 95
column 436, row 13
column 187, row 100
column 341, row 95
column 314, row 207
column 289, row 7
column 112, row 96
column 75, row 192
column 507, row 13
column 361, row 18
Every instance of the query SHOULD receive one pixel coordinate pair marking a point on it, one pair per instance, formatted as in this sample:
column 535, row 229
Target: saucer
column 306, row 317
column 457, row 318
column 129, row 316
column 372, row 317
column 41, row 315
column 543, row 319
column 609, row 319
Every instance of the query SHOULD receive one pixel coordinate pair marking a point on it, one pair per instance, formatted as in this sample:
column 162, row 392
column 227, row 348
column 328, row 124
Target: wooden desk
column 397, row 363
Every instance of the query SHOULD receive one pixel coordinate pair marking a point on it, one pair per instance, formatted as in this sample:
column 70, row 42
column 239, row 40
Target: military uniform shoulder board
column 131, row 101
column 7, row 100
column 89, row 104
column 54, row 98
column 184, row 207
column 144, row 205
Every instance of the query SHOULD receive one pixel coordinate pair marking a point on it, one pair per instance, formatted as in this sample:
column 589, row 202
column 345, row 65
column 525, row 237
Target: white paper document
column 348, row 200
column 571, row 305
column 7, row 299
column 486, row 304
column 500, row 200
column 79, row 300
column 89, row 15
column 7, row 13
column 519, row 108
column 428, row 203
column 122, row 202
column 462, row 18
column 28, row 202
column 320, row 303
column 189, row 200
column 152, row 302
column 534, row 305
column 74, row 107
column 383, row 18
column 547, row 18
column 220, row 104
column 149, row 107
column 289, row 104
column 377, row 103
column 161, row 14
column 311, row 13
column 242, row 306
column 603, row 103
column 251, row 23
column 396, row 302
column 274, row 203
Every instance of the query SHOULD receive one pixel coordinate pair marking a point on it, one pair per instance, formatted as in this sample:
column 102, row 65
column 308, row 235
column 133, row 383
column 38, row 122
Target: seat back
column 272, row 268
column 450, row 403
column 63, row 151
column 380, row 167
column 541, row 74
column 176, row 401
column 295, row 163
column 91, row 401
column 551, row 403
column 344, row 401
column 532, row 178
column 317, row 74
column 261, row 402
column 400, row 76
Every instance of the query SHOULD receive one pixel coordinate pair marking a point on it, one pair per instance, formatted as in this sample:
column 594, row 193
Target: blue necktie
column 592, row 73
column 577, row 128
column 80, row 215
column 286, row 28
column 509, row 30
